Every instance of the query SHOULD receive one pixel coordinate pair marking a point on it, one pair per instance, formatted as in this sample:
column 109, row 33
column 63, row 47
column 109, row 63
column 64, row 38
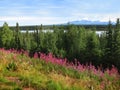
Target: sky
column 36, row 12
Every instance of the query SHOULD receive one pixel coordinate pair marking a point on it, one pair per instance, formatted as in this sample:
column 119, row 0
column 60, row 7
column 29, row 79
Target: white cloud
column 32, row 20
column 57, row 11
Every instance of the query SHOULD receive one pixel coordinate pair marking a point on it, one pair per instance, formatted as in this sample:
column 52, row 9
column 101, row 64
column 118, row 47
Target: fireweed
column 64, row 62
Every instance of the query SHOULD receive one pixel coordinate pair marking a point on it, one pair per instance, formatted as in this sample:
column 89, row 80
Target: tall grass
column 46, row 72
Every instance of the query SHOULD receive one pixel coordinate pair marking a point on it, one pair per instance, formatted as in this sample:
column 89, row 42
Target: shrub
column 11, row 66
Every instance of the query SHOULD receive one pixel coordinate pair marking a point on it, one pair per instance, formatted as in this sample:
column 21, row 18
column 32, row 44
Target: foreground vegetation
column 45, row 72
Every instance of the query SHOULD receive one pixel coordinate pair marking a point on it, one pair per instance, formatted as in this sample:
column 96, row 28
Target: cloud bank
column 32, row 12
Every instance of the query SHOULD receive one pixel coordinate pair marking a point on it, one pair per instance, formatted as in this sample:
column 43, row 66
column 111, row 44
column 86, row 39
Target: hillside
column 20, row 72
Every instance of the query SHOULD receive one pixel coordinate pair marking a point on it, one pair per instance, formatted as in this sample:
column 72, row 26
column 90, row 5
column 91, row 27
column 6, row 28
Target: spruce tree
column 117, row 43
column 50, row 43
column 37, row 36
column 18, row 37
column 26, row 41
column 109, row 49
column 60, row 41
column 6, row 36
column 71, row 42
column 41, row 39
column 81, row 44
column 93, row 52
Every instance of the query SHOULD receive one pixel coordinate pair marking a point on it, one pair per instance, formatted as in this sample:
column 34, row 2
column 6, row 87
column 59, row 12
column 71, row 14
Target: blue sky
column 32, row 12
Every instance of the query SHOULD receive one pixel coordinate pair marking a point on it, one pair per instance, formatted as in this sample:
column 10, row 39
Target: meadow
column 18, row 71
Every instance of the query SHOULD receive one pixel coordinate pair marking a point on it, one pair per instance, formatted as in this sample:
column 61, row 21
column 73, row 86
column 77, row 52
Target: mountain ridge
column 89, row 22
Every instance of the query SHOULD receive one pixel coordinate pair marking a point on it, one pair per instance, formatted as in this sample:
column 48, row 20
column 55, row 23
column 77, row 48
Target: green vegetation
column 71, row 42
column 20, row 72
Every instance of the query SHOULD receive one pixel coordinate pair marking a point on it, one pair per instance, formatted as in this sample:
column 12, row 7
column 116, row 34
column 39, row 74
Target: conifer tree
column 41, row 38
column 18, row 37
column 37, row 36
column 6, row 36
column 26, row 41
column 71, row 42
column 109, row 49
column 81, row 44
column 117, row 43
column 93, row 52
column 50, row 43
column 60, row 33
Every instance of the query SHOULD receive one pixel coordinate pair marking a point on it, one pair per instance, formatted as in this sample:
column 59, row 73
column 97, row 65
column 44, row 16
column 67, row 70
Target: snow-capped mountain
column 87, row 22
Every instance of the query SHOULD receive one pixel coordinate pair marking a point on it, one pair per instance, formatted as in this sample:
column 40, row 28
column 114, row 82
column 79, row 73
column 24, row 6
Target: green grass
column 18, row 72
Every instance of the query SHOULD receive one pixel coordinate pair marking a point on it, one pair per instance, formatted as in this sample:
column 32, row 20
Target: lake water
column 100, row 32
column 31, row 31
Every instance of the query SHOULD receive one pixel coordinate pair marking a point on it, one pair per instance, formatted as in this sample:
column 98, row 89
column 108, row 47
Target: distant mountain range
column 87, row 22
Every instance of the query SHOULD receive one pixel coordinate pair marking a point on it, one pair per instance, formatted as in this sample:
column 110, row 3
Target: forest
column 73, row 42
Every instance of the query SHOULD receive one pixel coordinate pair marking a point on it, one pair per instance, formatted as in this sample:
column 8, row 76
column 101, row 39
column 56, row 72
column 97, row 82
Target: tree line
column 75, row 42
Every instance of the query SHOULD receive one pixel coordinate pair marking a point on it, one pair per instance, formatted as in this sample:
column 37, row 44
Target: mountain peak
column 88, row 22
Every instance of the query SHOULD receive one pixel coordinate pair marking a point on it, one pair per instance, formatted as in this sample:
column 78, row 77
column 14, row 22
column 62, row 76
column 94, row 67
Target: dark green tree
column 81, row 44
column 93, row 52
column 71, row 42
column 37, row 36
column 26, row 41
column 6, row 36
column 41, row 38
column 109, row 49
column 17, row 37
column 117, row 44
column 50, row 43
column 60, row 41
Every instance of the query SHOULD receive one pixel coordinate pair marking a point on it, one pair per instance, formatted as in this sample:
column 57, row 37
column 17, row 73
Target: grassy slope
column 19, row 72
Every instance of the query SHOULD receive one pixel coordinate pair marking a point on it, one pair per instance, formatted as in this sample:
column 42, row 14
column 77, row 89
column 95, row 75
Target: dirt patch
column 17, row 81
column 13, row 79
column 28, row 88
